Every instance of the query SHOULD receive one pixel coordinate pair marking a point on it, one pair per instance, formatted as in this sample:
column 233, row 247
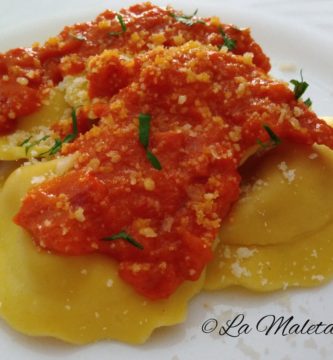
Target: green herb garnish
column 55, row 148
column 274, row 139
column 308, row 102
column 123, row 235
column 153, row 160
column 70, row 137
column 144, row 130
column 262, row 144
column 187, row 19
column 227, row 41
column 300, row 88
column 27, row 145
column 26, row 141
column 37, row 142
column 74, row 134
column 122, row 24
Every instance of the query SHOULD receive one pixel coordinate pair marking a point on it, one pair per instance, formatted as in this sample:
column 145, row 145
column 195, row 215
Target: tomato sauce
column 207, row 110
column 29, row 73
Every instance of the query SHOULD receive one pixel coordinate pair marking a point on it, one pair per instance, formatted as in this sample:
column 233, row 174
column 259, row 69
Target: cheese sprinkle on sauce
column 207, row 109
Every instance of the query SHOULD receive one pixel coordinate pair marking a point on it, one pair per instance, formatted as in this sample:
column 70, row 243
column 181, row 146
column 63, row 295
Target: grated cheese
column 238, row 271
column 288, row 174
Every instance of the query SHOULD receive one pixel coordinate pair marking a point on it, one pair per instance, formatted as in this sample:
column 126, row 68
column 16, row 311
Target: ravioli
column 34, row 127
column 76, row 299
column 6, row 168
column 279, row 233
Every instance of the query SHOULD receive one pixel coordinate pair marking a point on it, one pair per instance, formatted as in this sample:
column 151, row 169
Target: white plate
column 286, row 43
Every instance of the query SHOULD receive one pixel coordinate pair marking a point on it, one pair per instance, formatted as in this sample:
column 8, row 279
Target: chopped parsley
column 153, row 160
column 55, row 148
column 300, row 88
column 262, row 144
column 227, row 41
column 74, row 134
column 187, row 19
column 274, row 139
column 68, row 138
column 28, row 145
column 26, row 141
column 144, row 131
column 308, row 102
column 124, row 236
column 122, row 24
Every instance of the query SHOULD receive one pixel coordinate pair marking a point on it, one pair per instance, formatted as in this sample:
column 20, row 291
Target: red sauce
column 207, row 109
column 45, row 66
column 16, row 98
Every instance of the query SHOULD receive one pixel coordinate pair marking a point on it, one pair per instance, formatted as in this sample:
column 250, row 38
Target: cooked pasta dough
column 33, row 128
column 98, row 88
column 76, row 299
column 280, row 232
column 276, row 248
column 6, row 168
